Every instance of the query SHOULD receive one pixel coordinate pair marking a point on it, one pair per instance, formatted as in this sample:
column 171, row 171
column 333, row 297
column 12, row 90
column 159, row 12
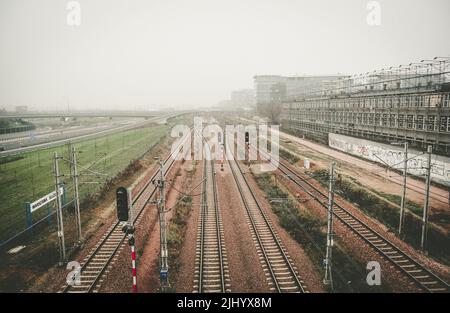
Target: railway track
column 96, row 264
column 418, row 273
column 211, row 269
column 281, row 274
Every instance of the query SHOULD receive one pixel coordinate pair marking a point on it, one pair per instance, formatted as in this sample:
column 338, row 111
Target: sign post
column 29, row 217
column 59, row 215
column 30, row 207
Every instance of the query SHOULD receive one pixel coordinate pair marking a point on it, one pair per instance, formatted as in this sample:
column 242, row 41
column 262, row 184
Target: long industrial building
column 407, row 103
column 275, row 89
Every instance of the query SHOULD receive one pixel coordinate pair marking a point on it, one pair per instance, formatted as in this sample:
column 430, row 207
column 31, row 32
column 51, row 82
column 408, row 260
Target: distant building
column 263, row 85
column 278, row 93
column 274, row 89
column 243, row 98
column 225, row 104
column 21, row 109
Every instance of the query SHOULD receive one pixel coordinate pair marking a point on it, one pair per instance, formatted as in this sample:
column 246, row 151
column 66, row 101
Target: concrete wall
column 374, row 151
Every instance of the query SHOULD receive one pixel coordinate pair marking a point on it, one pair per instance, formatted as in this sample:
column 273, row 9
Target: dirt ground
column 184, row 277
column 246, row 273
column 306, row 269
column 119, row 278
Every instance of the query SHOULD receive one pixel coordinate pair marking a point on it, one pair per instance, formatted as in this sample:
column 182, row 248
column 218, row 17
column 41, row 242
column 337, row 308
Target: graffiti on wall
column 393, row 156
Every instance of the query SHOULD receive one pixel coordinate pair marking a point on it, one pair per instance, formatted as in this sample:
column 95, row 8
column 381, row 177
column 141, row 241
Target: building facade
column 391, row 108
column 275, row 89
column 243, row 98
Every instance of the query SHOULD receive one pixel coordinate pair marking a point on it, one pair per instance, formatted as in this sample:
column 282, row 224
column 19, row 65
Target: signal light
column 122, row 204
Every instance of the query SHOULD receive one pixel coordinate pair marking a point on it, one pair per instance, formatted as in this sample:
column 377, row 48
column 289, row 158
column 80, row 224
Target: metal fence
column 29, row 176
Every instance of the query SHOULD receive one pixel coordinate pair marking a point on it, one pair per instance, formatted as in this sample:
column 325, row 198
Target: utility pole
column 425, row 203
column 328, row 279
column 59, row 215
column 73, row 164
column 161, row 203
column 403, row 202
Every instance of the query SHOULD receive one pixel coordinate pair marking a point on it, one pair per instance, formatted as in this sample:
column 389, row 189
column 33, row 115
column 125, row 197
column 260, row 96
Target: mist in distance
column 178, row 54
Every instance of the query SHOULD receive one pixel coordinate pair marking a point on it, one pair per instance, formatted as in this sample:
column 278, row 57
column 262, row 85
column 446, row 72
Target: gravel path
column 246, row 274
column 311, row 277
column 184, row 279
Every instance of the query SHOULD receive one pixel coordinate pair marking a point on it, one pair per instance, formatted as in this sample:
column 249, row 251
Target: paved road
column 92, row 134
column 46, row 134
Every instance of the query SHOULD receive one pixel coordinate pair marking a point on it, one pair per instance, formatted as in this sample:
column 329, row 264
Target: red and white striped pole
column 133, row 268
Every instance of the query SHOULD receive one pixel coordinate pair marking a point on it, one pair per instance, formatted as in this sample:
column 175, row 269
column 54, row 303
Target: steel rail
column 169, row 161
column 267, row 222
column 382, row 245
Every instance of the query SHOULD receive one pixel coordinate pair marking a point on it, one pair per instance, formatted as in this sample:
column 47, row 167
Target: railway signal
column 122, row 201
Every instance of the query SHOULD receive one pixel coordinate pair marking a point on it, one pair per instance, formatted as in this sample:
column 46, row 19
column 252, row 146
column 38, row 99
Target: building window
column 435, row 101
column 446, row 100
column 426, row 101
column 392, row 120
column 409, row 121
column 384, row 120
column 377, row 119
column 443, row 124
column 402, row 102
column 419, row 121
column 431, row 122
column 400, row 120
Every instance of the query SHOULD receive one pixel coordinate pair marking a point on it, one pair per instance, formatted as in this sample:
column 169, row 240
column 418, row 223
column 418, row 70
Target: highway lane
column 46, row 134
column 96, row 134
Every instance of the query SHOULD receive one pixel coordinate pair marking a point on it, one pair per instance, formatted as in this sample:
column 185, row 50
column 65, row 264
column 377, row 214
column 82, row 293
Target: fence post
column 29, row 217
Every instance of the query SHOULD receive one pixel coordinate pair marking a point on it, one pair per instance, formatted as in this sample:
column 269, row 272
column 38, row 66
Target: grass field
column 30, row 176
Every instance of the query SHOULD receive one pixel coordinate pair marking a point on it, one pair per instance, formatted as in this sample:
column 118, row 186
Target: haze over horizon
column 135, row 55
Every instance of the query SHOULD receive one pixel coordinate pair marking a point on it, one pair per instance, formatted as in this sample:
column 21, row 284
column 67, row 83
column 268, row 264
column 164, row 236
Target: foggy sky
column 144, row 54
